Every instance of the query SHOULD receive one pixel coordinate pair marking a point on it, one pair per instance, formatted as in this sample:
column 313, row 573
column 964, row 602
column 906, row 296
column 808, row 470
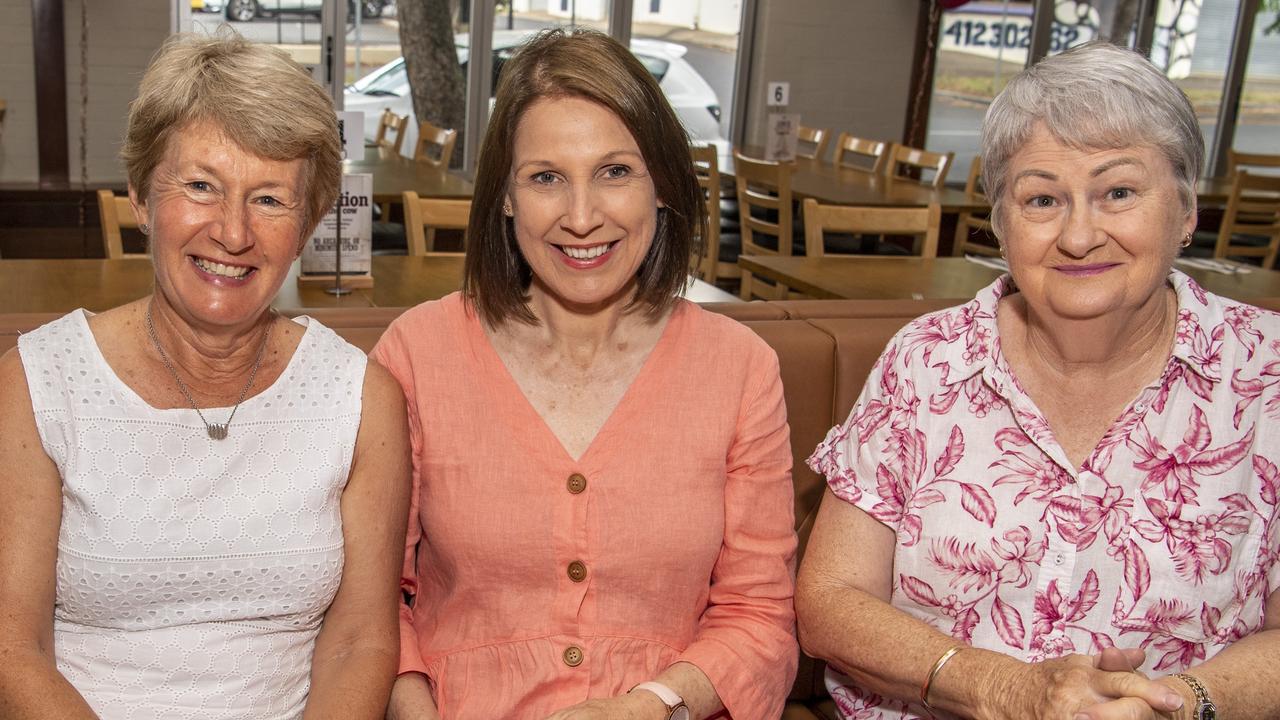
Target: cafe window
column 1258, row 125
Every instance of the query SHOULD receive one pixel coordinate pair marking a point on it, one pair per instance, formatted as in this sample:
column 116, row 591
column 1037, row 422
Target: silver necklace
column 216, row 431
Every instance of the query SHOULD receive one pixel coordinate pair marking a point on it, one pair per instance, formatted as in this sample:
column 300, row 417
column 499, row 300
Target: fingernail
column 1173, row 700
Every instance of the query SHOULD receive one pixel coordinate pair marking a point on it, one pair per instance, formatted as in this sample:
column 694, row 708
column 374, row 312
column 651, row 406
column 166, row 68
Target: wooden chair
column 1254, row 160
column 920, row 222
column 115, row 213
column 764, row 186
column 970, row 223
column 440, row 142
column 1253, row 210
column 423, row 216
column 708, row 266
column 815, row 137
column 391, row 123
column 903, row 159
column 861, row 152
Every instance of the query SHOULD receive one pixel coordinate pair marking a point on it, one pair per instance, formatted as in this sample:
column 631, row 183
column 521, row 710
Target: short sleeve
column 851, row 455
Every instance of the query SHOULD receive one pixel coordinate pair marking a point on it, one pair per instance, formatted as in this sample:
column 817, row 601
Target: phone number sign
column 1003, row 36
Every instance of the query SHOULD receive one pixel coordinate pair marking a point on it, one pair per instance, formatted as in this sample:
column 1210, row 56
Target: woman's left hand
column 632, row 706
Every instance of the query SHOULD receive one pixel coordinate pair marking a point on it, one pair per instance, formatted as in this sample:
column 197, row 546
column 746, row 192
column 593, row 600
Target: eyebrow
column 1103, row 168
column 1112, row 164
column 604, row 159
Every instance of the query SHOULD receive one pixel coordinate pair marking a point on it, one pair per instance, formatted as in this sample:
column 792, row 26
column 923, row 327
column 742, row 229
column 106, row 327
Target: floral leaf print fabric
column 1166, row 538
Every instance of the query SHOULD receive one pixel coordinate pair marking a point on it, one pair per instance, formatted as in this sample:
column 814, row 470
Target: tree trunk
column 1115, row 20
column 431, row 61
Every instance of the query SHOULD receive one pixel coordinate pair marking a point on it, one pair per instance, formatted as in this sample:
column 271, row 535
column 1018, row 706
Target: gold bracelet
column 937, row 666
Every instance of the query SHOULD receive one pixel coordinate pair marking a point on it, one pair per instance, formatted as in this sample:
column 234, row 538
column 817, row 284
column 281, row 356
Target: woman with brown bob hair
column 602, row 519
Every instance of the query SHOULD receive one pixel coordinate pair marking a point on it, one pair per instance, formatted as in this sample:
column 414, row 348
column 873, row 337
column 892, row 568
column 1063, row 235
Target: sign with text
column 779, row 94
column 351, row 132
column 780, row 143
column 356, row 205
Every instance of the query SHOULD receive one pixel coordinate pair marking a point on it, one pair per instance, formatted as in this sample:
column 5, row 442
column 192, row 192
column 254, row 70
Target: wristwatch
column 676, row 709
column 1205, row 709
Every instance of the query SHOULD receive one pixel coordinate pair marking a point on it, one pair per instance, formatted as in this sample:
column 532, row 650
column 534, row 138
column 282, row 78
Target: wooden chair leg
column 744, row 290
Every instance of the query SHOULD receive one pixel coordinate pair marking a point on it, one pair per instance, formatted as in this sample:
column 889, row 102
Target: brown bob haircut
column 263, row 100
column 592, row 66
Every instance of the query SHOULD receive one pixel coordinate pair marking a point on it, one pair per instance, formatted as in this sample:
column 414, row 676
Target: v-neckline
column 508, row 383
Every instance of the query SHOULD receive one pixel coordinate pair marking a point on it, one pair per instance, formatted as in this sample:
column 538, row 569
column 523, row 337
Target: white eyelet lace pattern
column 192, row 573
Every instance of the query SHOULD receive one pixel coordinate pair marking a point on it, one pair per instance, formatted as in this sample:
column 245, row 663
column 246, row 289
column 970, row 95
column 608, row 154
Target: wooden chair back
column 706, row 266
column 812, row 143
column 391, row 124
column 1253, row 210
column 115, row 213
column 921, row 222
column 423, row 216
column 859, row 154
column 904, row 159
column 435, row 144
column 974, row 235
column 1236, row 160
column 764, row 208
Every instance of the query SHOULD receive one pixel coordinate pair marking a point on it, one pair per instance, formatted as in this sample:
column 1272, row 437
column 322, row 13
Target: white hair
column 1095, row 96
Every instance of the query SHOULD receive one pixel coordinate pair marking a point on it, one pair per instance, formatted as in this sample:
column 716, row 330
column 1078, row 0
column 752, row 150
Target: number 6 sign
column 779, row 93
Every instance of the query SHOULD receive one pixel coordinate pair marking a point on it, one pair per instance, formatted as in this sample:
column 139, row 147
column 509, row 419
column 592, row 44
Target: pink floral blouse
column 1166, row 538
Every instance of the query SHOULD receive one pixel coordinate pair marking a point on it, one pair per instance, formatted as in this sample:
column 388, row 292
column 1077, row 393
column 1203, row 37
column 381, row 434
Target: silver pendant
column 217, row 432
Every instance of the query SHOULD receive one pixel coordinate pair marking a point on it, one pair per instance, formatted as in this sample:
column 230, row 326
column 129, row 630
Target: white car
column 690, row 96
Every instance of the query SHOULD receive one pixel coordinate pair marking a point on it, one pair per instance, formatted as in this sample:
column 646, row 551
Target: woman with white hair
column 1059, row 500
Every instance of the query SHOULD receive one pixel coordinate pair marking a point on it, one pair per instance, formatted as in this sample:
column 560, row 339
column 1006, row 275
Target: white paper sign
column 780, row 143
column 779, row 93
column 356, row 203
column 351, row 131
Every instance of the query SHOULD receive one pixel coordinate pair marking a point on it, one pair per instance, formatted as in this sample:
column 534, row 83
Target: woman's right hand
column 1079, row 687
column 411, row 699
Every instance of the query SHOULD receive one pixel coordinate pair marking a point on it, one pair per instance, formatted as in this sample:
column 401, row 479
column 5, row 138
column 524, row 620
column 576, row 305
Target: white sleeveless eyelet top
column 192, row 573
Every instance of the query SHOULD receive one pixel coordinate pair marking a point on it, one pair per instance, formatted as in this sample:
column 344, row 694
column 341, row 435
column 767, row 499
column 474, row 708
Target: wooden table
column 828, row 183
column 36, row 286
column 394, row 173
column 947, row 278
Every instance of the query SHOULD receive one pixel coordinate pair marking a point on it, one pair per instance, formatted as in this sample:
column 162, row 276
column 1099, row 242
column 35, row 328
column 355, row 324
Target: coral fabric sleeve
column 746, row 633
column 542, row 580
column 395, row 357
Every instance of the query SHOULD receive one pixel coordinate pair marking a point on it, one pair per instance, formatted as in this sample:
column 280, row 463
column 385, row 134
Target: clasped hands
column 1091, row 687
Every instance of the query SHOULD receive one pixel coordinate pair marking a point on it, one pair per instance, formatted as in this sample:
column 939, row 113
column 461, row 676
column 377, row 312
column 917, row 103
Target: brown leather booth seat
column 825, row 348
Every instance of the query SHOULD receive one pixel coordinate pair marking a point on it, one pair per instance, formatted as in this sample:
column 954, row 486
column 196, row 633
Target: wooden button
column 577, row 571
column 577, row 483
column 573, row 656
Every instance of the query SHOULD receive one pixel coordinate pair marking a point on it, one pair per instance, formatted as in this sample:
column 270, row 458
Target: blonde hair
column 261, row 99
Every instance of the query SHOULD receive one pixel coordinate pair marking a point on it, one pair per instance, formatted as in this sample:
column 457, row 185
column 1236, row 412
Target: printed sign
column 356, row 203
column 351, row 132
column 784, row 130
column 779, row 93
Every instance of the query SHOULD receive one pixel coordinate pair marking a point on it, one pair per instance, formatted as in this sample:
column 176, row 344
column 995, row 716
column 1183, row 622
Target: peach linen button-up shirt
column 540, row 580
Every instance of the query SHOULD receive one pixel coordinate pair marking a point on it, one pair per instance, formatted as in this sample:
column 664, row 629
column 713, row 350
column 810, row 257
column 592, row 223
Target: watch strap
column 669, row 697
column 1205, row 709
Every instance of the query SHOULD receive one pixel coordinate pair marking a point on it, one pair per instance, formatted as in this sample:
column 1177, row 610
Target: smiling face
column 583, row 204
column 225, row 226
column 1088, row 232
